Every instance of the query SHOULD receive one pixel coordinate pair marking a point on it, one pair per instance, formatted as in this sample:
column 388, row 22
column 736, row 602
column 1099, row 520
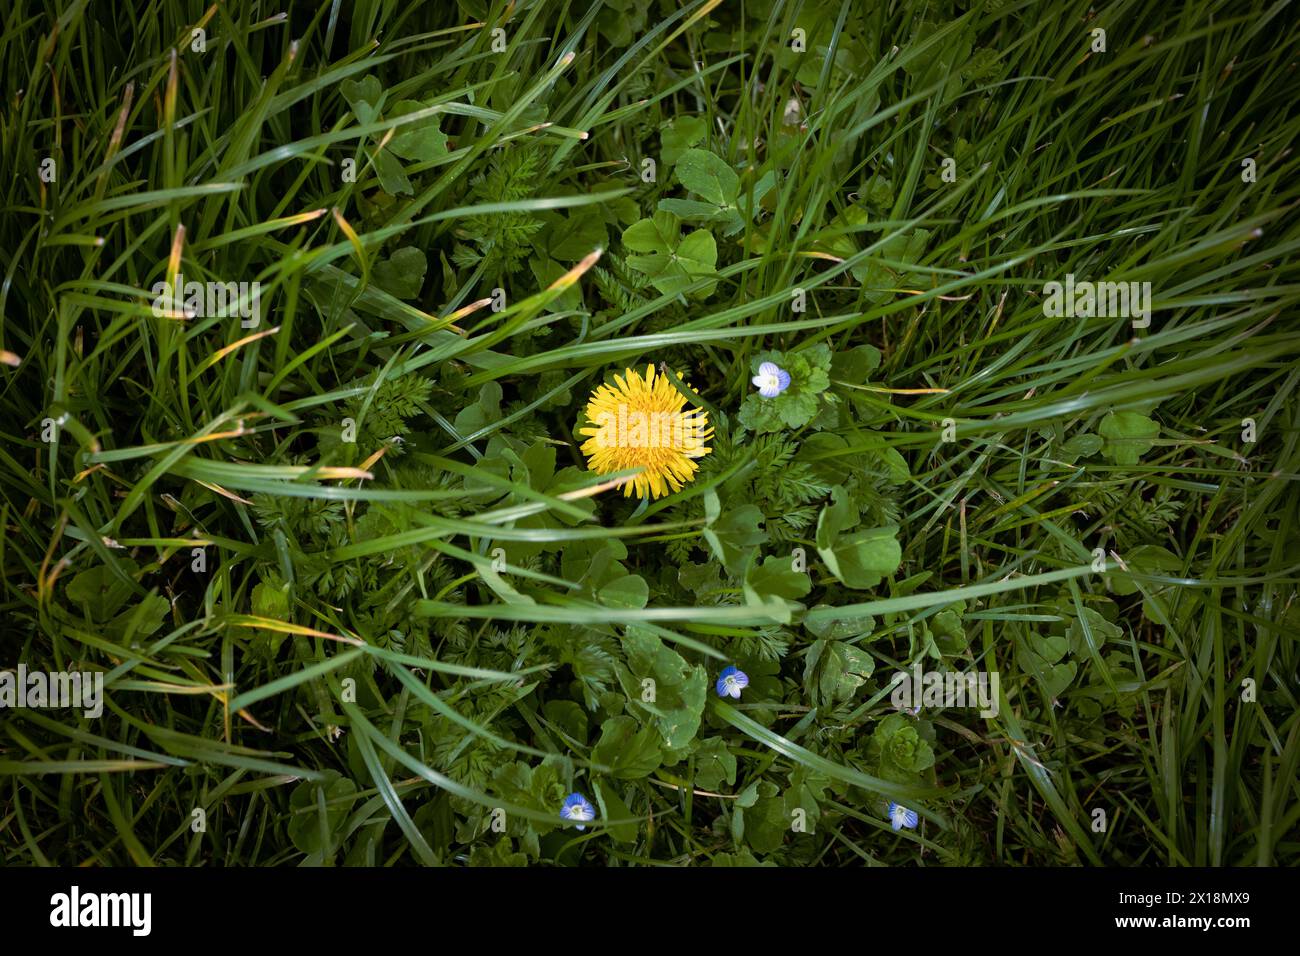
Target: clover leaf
column 401, row 275
column 858, row 558
column 717, row 186
column 420, row 140
column 1128, row 436
column 672, row 262
column 678, row 135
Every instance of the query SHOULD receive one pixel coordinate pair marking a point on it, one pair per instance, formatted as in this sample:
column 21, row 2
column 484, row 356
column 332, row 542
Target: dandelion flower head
column 642, row 422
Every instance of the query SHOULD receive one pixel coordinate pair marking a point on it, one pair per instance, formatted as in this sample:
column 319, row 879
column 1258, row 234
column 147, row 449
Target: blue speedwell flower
column 902, row 817
column 771, row 380
column 732, row 681
column 577, row 807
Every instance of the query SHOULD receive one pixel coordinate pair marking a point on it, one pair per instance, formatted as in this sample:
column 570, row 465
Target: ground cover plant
column 955, row 339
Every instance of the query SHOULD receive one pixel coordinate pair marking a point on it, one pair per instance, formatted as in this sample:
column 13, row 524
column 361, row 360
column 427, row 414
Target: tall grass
column 354, row 677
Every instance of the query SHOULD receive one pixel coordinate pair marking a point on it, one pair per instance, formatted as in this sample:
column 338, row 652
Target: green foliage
column 319, row 810
column 106, row 600
column 672, row 262
column 678, row 135
column 677, row 691
column 402, row 274
column 351, row 584
column 898, row 750
column 859, row 558
column 834, row 670
column 717, row 186
column 504, row 241
column 630, row 752
column 380, row 415
column 796, row 406
column 1128, row 436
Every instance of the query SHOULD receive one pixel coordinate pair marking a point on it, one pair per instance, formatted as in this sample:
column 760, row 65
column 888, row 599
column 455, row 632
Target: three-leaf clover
column 672, row 261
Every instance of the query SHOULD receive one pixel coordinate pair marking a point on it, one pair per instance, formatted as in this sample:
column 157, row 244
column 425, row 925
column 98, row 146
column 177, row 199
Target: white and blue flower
column 577, row 807
column 900, row 817
column 771, row 380
column 731, row 682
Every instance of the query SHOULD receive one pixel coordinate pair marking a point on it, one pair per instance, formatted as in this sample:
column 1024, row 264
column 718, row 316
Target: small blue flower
column 577, row 807
column 902, row 817
column 771, row 380
column 732, row 681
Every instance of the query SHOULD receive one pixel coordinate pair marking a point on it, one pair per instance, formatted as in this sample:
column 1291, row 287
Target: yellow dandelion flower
column 640, row 423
